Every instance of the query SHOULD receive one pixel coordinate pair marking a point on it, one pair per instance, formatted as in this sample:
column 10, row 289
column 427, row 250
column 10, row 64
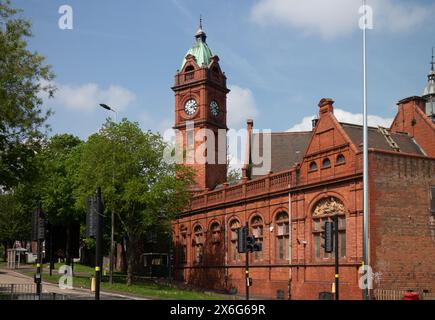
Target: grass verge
column 147, row 289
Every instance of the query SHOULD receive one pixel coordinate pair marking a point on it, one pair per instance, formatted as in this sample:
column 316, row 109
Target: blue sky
column 280, row 57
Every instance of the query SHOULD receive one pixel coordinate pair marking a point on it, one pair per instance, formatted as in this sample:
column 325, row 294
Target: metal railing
column 26, row 291
column 382, row 294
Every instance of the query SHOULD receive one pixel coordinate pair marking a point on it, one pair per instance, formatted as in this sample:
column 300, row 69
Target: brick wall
column 401, row 224
column 411, row 118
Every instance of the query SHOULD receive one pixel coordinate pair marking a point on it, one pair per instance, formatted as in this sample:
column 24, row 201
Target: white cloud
column 88, row 96
column 334, row 18
column 240, row 107
column 345, row 116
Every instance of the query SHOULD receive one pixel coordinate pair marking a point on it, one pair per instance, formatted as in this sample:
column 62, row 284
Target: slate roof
column 287, row 148
column 378, row 141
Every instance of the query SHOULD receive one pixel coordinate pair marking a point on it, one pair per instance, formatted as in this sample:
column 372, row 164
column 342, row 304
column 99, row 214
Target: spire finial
column 432, row 62
column 200, row 34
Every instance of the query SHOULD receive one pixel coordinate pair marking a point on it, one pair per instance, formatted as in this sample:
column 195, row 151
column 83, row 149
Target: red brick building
column 313, row 175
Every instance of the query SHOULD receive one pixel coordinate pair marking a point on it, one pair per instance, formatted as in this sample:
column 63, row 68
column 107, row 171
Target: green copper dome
column 199, row 50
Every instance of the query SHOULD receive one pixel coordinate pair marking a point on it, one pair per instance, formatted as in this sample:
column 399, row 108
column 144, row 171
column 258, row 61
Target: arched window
column 326, row 163
column 198, row 243
column 282, row 236
column 189, row 68
column 313, row 166
column 234, row 254
column 215, row 230
column 340, row 159
column 323, row 211
column 189, row 73
column 257, row 232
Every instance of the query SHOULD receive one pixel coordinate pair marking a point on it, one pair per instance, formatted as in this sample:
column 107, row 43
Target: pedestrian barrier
column 382, row 294
column 26, row 291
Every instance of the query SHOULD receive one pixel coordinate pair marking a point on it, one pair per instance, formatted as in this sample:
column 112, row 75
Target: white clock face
column 214, row 108
column 190, row 107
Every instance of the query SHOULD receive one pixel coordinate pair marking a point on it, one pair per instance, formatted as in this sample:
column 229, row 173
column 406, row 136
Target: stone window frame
column 312, row 167
column 215, row 232
column 198, row 244
column 318, row 220
column 285, row 221
column 340, row 160
column 326, row 163
column 234, row 224
column 183, row 241
column 258, row 224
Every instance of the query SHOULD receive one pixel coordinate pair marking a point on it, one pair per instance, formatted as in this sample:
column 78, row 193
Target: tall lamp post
column 366, row 243
column 112, row 233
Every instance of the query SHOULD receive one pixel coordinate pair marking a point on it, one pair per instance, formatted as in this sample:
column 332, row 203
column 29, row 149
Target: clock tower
column 201, row 114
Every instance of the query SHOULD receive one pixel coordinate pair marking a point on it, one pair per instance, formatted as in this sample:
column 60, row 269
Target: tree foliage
column 23, row 76
column 136, row 182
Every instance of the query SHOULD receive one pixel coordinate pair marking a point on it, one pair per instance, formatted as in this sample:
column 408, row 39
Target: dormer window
column 326, row 163
column 340, row 159
column 189, row 68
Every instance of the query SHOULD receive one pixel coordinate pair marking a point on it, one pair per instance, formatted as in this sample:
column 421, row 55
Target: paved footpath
column 12, row 277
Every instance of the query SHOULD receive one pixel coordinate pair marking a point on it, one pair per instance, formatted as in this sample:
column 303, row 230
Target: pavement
column 8, row 276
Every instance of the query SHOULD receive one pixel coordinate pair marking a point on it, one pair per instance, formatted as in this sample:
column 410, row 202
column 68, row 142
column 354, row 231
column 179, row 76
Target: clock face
column 214, row 108
column 190, row 107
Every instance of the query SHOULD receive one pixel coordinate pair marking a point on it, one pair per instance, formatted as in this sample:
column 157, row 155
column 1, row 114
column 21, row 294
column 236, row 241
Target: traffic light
column 38, row 225
column 250, row 242
column 327, row 235
column 258, row 246
column 241, row 239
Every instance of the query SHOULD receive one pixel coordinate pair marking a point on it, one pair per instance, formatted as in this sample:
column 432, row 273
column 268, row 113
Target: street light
column 112, row 233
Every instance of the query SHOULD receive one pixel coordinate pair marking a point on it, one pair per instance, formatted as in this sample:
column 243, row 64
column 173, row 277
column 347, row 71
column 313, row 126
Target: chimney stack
column 245, row 170
column 325, row 106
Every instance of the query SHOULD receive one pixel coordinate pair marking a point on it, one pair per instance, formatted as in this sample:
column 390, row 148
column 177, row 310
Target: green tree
column 23, row 77
column 14, row 222
column 147, row 190
column 57, row 183
column 233, row 175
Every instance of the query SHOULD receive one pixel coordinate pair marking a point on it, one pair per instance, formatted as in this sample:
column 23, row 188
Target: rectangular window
column 280, row 230
column 317, row 245
column 341, row 223
column 287, row 249
column 281, row 248
column 342, row 244
column 235, row 256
